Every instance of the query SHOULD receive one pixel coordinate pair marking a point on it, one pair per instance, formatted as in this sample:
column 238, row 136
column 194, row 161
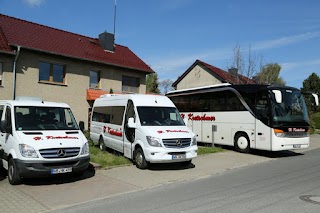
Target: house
column 203, row 74
column 61, row 66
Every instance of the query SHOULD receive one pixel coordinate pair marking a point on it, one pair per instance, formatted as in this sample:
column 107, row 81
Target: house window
column 94, row 79
column 1, row 70
column 130, row 84
column 51, row 72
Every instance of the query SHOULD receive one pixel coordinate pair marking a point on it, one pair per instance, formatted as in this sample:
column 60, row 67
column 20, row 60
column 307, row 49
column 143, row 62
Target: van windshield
column 44, row 118
column 159, row 116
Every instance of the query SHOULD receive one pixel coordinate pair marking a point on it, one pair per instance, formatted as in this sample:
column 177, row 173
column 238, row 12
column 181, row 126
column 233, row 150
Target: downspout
column 14, row 71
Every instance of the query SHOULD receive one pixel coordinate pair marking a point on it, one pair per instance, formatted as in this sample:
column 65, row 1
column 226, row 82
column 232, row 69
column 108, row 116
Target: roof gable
column 42, row 38
column 222, row 75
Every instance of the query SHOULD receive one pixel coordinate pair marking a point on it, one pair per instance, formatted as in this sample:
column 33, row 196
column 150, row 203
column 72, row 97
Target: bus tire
column 241, row 143
column 140, row 160
column 102, row 146
column 13, row 174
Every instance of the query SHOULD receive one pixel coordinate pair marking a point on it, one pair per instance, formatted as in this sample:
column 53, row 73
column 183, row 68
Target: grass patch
column 202, row 150
column 106, row 159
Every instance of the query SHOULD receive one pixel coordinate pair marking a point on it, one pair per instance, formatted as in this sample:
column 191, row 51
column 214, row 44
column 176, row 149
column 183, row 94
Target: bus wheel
column 241, row 143
column 140, row 160
column 102, row 146
column 13, row 175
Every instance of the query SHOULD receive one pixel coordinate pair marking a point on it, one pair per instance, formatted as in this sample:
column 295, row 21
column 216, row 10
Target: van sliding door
column 129, row 132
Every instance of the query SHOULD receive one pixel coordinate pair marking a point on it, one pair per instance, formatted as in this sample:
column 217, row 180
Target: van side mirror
column 3, row 126
column 278, row 96
column 131, row 123
column 81, row 125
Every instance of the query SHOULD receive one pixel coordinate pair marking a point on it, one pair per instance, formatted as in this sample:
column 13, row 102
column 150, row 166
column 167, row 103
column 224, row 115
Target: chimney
column 233, row 72
column 107, row 41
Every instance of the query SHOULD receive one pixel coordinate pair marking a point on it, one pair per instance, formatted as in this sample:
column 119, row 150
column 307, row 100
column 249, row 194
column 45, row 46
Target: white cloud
column 34, row 3
column 294, row 73
column 284, row 41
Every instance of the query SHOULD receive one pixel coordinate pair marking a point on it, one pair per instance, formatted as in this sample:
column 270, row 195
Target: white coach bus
column 246, row 116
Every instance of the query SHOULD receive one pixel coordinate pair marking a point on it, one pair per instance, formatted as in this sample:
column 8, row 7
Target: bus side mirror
column 131, row 123
column 278, row 96
column 316, row 99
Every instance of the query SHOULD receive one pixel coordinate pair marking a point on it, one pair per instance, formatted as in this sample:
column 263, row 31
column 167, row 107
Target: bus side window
column 261, row 108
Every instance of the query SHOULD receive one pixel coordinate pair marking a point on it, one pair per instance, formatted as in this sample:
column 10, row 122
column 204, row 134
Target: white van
column 146, row 128
column 40, row 139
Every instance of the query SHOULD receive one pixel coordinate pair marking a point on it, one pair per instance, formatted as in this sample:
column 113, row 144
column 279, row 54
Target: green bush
column 316, row 120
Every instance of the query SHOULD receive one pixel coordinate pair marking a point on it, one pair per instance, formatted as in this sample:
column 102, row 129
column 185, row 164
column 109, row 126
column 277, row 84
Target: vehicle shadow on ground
column 60, row 179
column 170, row 166
column 268, row 154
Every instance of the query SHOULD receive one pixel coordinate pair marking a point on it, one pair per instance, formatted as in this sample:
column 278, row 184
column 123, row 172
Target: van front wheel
column 140, row 160
column 13, row 174
column 102, row 146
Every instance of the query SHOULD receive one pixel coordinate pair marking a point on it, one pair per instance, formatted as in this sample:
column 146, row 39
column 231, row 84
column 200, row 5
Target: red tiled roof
column 226, row 76
column 4, row 46
column 222, row 75
column 34, row 36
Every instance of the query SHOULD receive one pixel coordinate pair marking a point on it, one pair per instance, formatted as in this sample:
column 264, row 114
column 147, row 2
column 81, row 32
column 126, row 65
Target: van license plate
column 176, row 157
column 61, row 170
column 296, row 146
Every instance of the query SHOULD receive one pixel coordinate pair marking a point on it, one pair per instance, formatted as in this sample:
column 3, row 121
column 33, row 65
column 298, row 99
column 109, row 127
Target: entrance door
column 129, row 132
column 263, row 131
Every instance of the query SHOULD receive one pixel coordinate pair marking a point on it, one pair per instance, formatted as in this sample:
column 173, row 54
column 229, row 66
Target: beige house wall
column 7, row 67
column 77, row 80
column 197, row 77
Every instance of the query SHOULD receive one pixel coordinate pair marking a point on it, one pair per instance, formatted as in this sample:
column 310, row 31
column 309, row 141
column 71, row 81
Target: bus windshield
column 159, row 116
column 291, row 111
column 44, row 118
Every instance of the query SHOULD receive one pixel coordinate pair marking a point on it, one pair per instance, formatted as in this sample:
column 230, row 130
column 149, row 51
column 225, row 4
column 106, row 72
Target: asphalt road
column 288, row 184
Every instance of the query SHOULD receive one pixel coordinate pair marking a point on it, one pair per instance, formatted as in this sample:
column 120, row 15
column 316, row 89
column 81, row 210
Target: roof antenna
column 114, row 23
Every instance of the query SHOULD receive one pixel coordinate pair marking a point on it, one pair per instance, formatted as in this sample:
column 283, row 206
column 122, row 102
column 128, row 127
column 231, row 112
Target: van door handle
column 259, row 133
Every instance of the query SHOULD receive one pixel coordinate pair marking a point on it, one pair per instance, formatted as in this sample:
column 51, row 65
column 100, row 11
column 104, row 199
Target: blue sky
column 169, row 35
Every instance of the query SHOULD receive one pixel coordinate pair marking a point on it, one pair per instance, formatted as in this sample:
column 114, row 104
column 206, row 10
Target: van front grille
column 60, row 152
column 177, row 142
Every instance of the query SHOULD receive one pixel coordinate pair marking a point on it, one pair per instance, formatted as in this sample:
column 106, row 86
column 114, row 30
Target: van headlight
column 85, row 149
column 194, row 141
column 153, row 141
column 27, row 151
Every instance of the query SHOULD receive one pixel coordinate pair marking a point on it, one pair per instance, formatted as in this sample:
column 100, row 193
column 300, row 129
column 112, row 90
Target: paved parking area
column 46, row 194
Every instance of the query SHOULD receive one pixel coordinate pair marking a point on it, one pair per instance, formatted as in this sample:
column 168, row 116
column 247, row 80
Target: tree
column 269, row 74
column 166, row 85
column 311, row 84
column 152, row 83
column 245, row 61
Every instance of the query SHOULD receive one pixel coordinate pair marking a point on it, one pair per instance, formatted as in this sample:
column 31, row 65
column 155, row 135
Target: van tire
column 140, row 160
column 13, row 174
column 102, row 146
column 242, row 143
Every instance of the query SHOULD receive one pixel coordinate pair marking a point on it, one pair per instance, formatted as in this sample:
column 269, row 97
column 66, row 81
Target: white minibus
column 40, row 138
column 145, row 128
